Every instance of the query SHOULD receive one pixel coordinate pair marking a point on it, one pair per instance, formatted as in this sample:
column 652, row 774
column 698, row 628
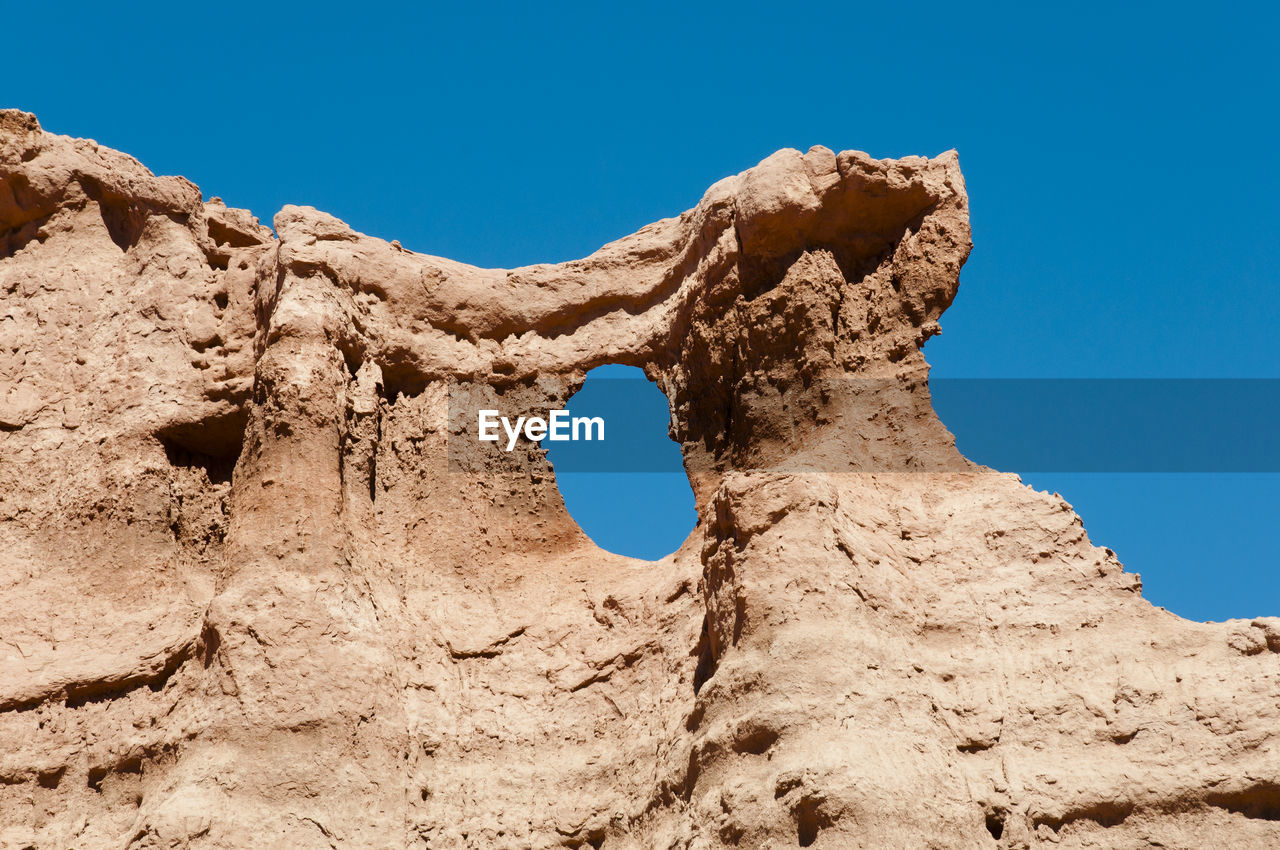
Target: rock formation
column 257, row 589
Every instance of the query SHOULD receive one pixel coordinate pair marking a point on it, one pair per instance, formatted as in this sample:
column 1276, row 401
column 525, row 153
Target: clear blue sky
column 1119, row 162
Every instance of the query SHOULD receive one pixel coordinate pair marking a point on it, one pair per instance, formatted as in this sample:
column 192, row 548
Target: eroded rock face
column 248, row 601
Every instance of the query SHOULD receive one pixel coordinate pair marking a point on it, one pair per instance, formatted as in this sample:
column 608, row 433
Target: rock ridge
column 250, row 598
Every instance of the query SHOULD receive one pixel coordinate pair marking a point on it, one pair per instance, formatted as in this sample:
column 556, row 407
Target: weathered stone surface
column 246, row 601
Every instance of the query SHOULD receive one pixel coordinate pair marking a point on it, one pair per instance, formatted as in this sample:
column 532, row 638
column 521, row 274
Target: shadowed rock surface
column 246, row 598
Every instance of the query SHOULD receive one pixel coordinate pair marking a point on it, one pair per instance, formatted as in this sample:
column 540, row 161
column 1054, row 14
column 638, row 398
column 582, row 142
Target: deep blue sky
column 1119, row 163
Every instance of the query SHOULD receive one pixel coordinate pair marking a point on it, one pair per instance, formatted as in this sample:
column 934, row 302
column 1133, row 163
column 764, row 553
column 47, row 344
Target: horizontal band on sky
column 1012, row 425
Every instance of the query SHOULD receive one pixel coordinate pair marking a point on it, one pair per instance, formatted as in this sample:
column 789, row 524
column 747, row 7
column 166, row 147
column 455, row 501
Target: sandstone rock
column 250, row 600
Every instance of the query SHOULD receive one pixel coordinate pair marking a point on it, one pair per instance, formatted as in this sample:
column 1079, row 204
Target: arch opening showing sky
column 629, row 493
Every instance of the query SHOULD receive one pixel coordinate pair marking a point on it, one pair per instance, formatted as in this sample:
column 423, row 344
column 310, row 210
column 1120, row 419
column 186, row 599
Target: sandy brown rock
column 257, row 588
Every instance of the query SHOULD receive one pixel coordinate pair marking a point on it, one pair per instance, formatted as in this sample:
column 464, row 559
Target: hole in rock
column 212, row 444
column 628, row 492
column 124, row 223
column 706, row 661
column 995, row 823
column 51, row 778
column 755, row 740
column 810, row 820
column 1260, row 802
column 15, row 239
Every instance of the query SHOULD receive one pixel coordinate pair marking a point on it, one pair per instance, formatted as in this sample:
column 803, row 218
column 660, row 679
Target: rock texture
column 246, row 600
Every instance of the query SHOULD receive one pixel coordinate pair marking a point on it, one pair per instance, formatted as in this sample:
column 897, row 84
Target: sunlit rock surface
column 259, row 588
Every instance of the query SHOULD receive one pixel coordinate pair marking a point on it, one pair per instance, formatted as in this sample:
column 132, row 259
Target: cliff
column 259, row 588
